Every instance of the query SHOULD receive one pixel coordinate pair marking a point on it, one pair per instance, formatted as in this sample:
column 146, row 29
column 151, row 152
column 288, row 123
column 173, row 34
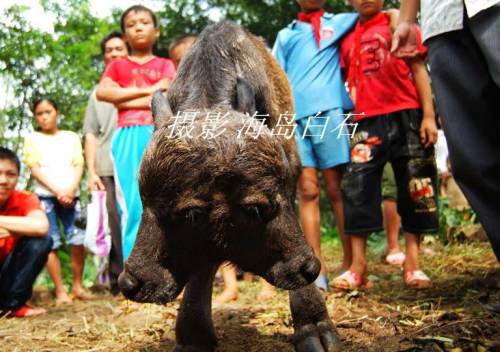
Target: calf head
column 208, row 200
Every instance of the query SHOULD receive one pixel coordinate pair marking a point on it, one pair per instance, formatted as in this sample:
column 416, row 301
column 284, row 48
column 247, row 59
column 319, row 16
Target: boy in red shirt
column 129, row 83
column 396, row 124
column 24, row 244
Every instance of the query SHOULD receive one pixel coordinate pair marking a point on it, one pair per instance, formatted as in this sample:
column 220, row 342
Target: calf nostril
column 128, row 284
column 310, row 270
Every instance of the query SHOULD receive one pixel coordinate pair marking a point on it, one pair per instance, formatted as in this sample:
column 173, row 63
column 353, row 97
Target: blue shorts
column 322, row 141
column 55, row 213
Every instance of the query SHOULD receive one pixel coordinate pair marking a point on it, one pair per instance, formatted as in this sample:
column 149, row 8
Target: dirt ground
column 451, row 316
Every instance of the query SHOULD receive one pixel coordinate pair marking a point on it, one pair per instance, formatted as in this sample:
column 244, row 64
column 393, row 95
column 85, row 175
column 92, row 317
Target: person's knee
column 309, row 192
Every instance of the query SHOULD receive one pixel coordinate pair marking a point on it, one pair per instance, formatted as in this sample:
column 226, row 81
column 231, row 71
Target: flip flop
column 350, row 280
column 321, row 282
column 417, row 279
column 396, row 258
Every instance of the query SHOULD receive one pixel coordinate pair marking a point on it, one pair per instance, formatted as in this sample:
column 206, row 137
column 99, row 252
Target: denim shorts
column 390, row 138
column 67, row 216
column 322, row 140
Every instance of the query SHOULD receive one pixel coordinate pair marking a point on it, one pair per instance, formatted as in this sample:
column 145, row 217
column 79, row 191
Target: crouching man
column 24, row 244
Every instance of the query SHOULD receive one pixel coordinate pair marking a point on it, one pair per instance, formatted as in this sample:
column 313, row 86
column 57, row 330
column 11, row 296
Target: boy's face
column 114, row 48
column 311, row 5
column 140, row 31
column 178, row 52
column 46, row 116
column 9, row 174
column 367, row 8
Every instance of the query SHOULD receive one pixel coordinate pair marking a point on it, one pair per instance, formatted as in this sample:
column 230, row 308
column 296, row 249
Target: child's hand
column 4, row 233
column 66, row 198
column 163, row 84
column 95, row 183
column 428, row 131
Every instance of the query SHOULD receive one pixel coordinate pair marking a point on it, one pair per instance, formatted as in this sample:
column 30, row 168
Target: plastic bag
column 97, row 234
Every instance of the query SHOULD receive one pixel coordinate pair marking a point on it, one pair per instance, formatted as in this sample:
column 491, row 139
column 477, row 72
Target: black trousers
column 19, row 270
column 115, row 255
column 465, row 72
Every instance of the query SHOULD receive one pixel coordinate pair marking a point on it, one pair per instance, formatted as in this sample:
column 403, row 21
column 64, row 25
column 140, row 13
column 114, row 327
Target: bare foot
column 267, row 292
column 227, row 296
column 62, row 298
column 82, row 295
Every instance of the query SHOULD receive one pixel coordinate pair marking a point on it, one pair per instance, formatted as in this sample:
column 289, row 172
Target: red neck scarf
column 314, row 18
column 355, row 70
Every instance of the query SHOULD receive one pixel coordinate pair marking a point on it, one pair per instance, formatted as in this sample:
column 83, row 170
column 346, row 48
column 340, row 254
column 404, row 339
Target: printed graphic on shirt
column 374, row 53
column 422, row 194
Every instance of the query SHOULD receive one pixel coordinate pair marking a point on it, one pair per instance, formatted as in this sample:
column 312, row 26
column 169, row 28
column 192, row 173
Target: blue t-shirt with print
column 314, row 72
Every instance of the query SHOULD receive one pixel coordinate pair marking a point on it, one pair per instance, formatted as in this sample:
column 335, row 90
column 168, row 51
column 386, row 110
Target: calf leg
column 194, row 328
column 313, row 329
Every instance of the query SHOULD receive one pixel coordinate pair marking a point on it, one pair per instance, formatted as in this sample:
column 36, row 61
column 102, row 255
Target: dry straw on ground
column 451, row 316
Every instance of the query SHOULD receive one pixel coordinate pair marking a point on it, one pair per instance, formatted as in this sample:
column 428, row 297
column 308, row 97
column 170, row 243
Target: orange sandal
column 350, row 280
column 417, row 279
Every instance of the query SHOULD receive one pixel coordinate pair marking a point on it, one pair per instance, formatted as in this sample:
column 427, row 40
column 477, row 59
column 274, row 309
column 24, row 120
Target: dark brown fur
column 227, row 198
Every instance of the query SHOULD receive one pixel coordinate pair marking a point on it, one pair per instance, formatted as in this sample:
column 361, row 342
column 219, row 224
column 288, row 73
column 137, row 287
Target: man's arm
column 34, row 224
column 94, row 181
column 428, row 128
column 404, row 39
column 408, row 10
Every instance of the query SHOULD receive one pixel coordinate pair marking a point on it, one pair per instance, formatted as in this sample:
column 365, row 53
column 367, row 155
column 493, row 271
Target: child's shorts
column 55, row 212
column 322, row 141
column 390, row 138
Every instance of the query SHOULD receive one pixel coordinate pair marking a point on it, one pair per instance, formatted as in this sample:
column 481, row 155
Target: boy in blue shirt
column 308, row 51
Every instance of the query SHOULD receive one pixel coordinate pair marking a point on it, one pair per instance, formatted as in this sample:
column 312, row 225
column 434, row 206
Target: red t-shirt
column 20, row 203
column 381, row 83
column 128, row 73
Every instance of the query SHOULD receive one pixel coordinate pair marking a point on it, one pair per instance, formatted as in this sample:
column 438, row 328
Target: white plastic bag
column 97, row 235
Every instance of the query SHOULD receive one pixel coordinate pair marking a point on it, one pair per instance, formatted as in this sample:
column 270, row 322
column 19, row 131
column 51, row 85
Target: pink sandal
column 396, row 258
column 350, row 280
column 417, row 279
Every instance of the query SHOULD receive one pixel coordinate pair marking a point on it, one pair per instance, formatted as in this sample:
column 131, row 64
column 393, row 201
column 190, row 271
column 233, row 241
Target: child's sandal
column 417, row 279
column 350, row 280
column 397, row 258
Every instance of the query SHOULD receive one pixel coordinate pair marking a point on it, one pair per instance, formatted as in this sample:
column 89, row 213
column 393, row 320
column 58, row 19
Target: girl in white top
column 56, row 163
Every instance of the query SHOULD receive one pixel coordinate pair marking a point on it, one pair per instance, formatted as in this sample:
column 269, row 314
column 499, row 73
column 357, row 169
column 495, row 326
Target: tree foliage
column 63, row 65
column 66, row 64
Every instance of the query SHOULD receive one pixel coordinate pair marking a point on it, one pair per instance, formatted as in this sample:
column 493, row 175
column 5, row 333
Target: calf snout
column 129, row 285
column 310, row 269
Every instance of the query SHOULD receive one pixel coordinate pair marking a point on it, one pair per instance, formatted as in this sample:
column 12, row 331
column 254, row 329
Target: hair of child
column 137, row 8
column 7, row 154
column 40, row 100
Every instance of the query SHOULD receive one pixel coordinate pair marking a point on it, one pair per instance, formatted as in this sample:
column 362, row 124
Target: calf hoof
column 192, row 348
column 319, row 337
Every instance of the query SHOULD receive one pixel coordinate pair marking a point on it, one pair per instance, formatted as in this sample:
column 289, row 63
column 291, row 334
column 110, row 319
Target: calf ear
column 160, row 108
column 245, row 97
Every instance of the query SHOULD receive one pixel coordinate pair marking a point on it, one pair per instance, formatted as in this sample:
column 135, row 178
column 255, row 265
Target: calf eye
column 253, row 210
column 195, row 216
